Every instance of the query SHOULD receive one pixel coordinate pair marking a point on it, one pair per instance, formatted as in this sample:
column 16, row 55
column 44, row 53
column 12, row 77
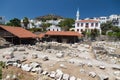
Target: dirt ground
column 23, row 75
column 72, row 70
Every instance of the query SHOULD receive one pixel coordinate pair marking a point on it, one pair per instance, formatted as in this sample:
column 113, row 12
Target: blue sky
column 66, row 8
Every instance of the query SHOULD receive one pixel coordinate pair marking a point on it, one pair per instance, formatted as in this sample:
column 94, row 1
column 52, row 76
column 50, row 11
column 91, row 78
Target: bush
column 2, row 65
column 35, row 29
column 0, row 72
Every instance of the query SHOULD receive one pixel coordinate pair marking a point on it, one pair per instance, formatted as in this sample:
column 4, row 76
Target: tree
column 115, row 29
column 90, row 34
column 118, row 35
column 45, row 25
column 14, row 22
column 113, row 35
column 67, row 23
column 113, row 32
column 35, row 29
column 25, row 22
column 105, row 27
column 94, row 34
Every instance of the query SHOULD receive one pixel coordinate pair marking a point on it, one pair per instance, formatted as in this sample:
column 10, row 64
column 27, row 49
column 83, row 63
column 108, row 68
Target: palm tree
column 25, row 22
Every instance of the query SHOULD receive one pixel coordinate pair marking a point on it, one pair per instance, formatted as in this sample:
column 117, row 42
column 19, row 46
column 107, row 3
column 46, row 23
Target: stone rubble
column 92, row 74
column 59, row 74
column 102, row 67
column 59, row 55
column 72, row 78
column 74, row 54
column 63, row 66
column 52, row 74
column 103, row 77
column 45, row 58
column 66, row 76
column 107, row 51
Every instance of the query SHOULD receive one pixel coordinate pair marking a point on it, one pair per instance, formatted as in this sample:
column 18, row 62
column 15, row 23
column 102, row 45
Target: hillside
column 49, row 17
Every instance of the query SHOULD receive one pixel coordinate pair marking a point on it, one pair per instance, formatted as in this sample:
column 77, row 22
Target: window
column 57, row 29
column 48, row 29
column 87, row 25
column 78, row 30
column 81, row 24
column 81, row 30
column 53, row 29
column 91, row 24
column 96, row 24
column 77, row 24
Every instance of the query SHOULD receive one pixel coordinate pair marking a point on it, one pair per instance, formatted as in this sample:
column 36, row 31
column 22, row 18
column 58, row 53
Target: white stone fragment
column 8, row 76
column 14, row 77
column 39, row 70
column 102, row 67
column 59, row 55
column 72, row 78
column 34, row 55
column 45, row 58
column 117, row 73
column 89, row 64
column 44, row 72
column 103, row 77
column 66, row 76
column 81, row 63
column 92, row 74
column 82, row 71
column 59, row 74
column 15, row 64
column 74, row 46
column 18, row 65
column 63, row 66
column 52, row 74
column 21, row 49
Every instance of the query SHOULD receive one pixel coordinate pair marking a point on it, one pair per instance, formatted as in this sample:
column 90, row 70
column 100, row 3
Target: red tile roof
column 41, row 35
column 85, row 21
column 63, row 33
column 19, row 32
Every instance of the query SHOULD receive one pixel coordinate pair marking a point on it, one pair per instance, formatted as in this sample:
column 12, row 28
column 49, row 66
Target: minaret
column 77, row 15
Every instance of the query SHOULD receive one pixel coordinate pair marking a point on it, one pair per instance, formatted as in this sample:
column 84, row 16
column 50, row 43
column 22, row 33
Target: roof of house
column 63, row 33
column 41, row 35
column 19, row 31
column 85, row 21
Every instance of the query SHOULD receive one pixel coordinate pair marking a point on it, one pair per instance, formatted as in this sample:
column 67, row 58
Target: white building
column 2, row 20
column 32, row 24
column 87, row 24
column 115, row 20
column 37, row 24
column 54, row 28
column 103, row 19
column 54, row 22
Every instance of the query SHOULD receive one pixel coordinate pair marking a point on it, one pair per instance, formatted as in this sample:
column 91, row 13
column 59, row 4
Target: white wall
column 54, row 28
column 84, row 26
